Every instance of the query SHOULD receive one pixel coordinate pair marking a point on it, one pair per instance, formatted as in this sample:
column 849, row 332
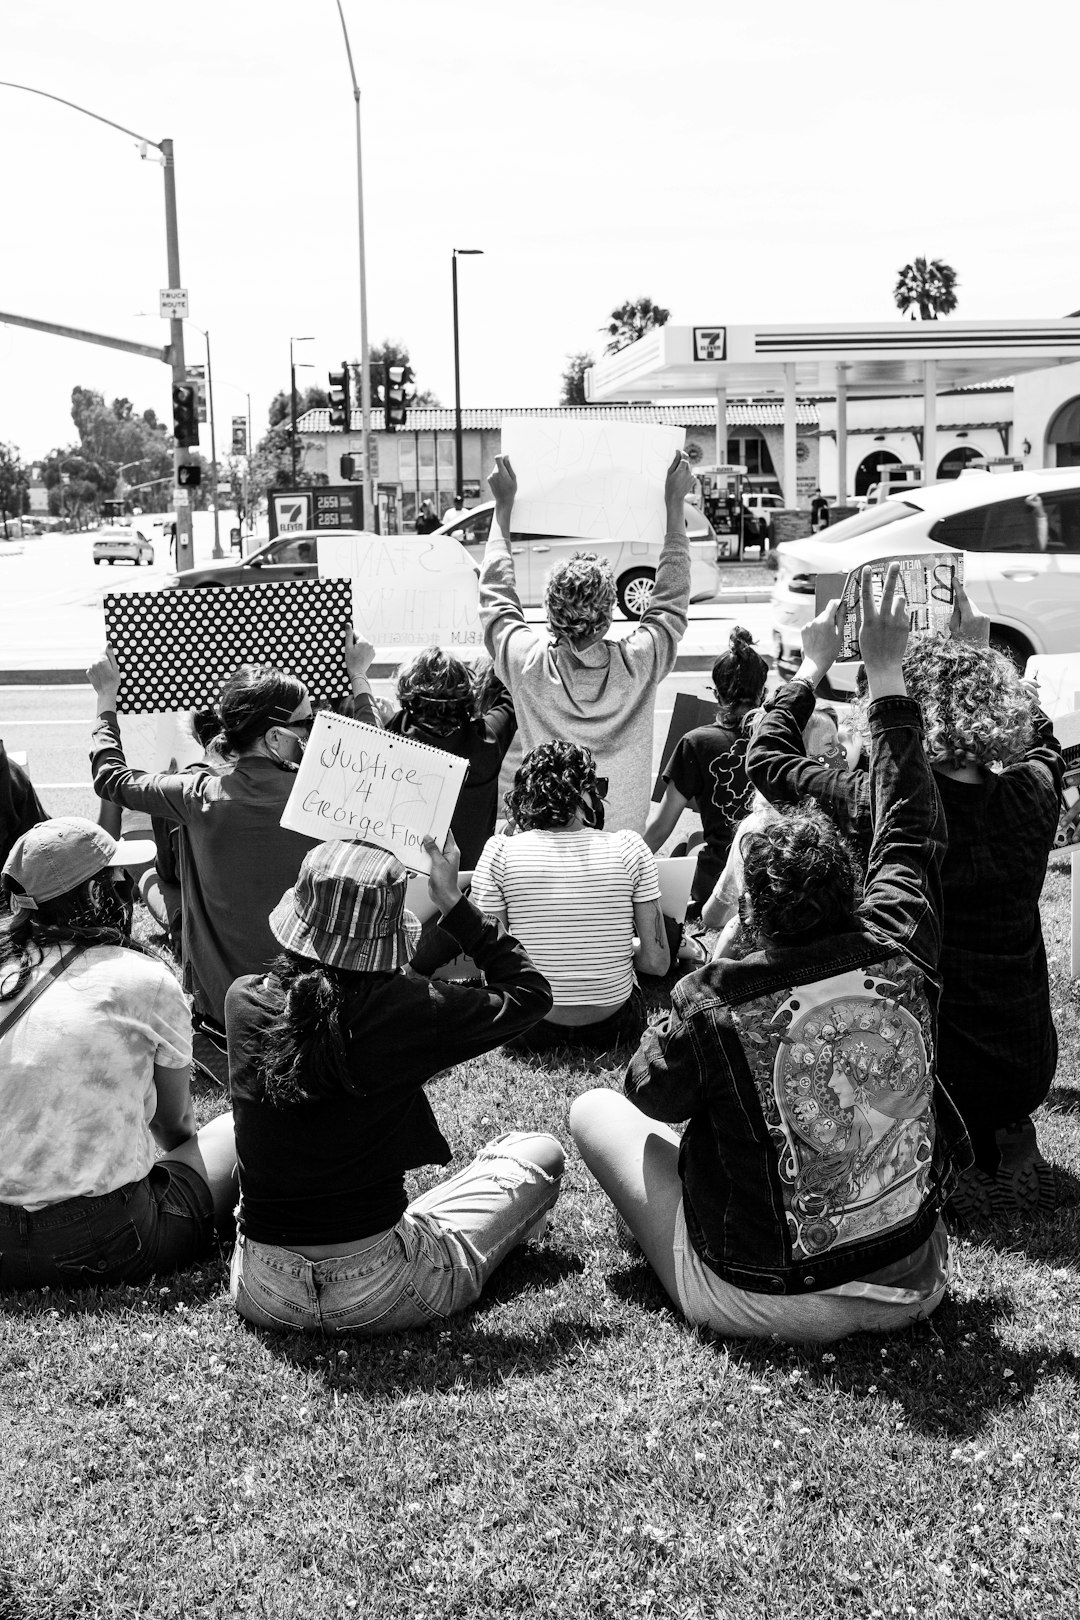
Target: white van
column 1020, row 535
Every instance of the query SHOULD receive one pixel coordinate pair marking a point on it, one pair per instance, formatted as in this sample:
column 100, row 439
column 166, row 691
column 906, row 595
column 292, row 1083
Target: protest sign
column 175, row 648
column 407, row 590
column 373, row 786
column 599, row 480
column 928, row 580
column 688, row 712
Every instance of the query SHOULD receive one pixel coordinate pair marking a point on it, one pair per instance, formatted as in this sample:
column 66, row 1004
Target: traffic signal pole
column 185, row 553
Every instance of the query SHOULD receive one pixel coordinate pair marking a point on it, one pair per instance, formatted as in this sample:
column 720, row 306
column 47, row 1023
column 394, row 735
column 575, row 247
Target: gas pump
column 722, row 503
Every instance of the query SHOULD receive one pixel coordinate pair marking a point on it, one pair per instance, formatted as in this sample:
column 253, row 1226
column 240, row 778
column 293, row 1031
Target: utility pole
column 371, row 504
column 185, row 553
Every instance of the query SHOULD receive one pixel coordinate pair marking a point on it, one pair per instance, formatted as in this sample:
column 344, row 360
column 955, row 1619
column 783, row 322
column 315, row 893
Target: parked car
column 634, row 564
column 1020, row 535
column 116, row 544
column 291, row 556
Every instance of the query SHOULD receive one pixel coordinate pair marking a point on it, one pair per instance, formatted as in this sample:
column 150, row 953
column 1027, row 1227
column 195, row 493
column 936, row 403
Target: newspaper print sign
column 176, row 647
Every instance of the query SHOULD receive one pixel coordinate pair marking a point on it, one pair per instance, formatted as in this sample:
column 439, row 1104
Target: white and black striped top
column 569, row 898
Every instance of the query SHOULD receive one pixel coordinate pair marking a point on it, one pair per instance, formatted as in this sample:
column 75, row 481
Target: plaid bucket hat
column 347, row 910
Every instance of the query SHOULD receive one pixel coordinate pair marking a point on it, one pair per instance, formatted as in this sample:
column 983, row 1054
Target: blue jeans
column 138, row 1231
column 432, row 1264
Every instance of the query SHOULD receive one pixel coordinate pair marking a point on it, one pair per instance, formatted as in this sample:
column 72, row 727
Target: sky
column 735, row 163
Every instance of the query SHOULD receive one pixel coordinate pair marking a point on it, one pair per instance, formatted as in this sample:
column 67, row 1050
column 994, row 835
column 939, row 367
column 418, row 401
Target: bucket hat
column 347, row 910
column 56, row 856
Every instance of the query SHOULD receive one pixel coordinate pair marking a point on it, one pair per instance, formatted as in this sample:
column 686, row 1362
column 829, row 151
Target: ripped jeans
column 432, row 1264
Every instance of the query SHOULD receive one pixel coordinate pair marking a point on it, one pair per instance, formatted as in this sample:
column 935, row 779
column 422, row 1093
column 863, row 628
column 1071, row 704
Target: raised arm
column 162, row 794
column 663, row 623
column 500, row 605
column 361, row 705
column 902, row 898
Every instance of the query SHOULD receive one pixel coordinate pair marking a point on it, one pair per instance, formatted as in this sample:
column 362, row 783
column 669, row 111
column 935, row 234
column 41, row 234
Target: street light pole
column 459, row 484
column 184, row 555
column 292, row 386
column 371, row 509
column 213, row 440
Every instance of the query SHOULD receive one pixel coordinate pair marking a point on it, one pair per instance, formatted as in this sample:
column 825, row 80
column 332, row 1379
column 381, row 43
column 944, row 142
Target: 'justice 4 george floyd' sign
column 375, row 787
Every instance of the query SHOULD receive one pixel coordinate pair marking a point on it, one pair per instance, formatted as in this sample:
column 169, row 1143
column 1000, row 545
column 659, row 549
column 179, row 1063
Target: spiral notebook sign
column 375, row 787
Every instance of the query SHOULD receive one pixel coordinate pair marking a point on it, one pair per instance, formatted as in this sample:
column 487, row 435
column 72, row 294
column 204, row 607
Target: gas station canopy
column 883, row 358
column 887, row 357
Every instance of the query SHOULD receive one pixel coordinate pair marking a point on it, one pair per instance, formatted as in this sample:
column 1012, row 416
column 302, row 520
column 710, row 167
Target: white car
column 633, row 563
column 122, row 545
column 1020, row 535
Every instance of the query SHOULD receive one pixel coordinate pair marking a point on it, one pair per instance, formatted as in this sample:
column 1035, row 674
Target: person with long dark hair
column 804, row 1197
column 329, row 1055
column 576, row 896
column 95, row 1071
column 707, row 767
column 235, row 857
column 442, row 702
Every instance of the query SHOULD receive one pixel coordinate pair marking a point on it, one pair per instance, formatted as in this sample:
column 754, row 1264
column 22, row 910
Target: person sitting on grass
column 329, row 1054
column 95, row 1071
column 576, row 896
column 570, row 681
column 999, row 772
column 440, row 703
column 707, row 767
column 804, row 1198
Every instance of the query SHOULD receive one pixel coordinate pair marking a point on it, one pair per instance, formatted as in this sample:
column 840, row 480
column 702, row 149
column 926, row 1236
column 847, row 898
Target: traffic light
column 185, row 413
column 347, row 467
column 339, row 398
column 239, row 435
column 397, row 391
column 189, row 475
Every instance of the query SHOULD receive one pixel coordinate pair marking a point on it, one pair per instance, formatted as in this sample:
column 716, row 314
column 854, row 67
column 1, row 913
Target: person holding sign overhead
column 329, row 1055
column 571, row 682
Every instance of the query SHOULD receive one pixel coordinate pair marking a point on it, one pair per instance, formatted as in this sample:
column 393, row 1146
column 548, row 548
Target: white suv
column 1020, row 535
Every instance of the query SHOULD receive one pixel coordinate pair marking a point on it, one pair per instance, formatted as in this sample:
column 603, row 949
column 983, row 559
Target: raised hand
column 822, row 639
column 443, row 878
column 967, row 623
column 503, row 482
column 883, row 634
column 104, row 677
column 359, row 654
column 677, row 486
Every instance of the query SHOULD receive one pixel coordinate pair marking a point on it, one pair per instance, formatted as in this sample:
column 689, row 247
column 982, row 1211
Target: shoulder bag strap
column 10, row 1019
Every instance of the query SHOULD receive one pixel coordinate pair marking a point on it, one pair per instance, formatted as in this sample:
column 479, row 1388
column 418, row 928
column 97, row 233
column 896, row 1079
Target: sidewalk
column 744, row 582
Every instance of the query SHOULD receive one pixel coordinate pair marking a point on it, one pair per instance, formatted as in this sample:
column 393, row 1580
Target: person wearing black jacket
column 329, row 1054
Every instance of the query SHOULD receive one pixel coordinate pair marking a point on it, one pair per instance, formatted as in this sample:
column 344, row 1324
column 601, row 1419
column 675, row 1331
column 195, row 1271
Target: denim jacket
column 819, row 1148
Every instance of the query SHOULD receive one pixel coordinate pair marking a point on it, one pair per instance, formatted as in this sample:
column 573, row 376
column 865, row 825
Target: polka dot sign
column 175, row 648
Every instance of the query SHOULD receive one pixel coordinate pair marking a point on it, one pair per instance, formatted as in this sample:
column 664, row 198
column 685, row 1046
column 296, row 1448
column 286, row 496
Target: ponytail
column 739, row 676
column 303, row 1059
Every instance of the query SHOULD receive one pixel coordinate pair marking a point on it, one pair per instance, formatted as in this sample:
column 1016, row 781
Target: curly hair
column 552, row 784
column 437, row 692
column 975, row 708
column 579, row 597
column 255, row 697
column 799, row 875
column 739, row 677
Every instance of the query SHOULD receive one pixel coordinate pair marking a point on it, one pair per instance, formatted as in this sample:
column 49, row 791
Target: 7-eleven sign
column 290, row 514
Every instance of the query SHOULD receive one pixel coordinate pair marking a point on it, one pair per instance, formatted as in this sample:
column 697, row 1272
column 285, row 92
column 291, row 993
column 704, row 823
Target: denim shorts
column 433, row 1263
column 138, row 1231
column 708, row 1301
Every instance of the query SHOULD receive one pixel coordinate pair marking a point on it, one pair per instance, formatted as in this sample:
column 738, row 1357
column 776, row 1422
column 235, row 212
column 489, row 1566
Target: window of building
column 406, row 451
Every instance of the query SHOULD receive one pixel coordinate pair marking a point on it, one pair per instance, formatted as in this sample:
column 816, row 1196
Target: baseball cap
column 56, row 856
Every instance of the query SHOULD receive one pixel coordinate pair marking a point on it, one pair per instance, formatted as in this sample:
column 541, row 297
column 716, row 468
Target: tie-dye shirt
column 77, row 1087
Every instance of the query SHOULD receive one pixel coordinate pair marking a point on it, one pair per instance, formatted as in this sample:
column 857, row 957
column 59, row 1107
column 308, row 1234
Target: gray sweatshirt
column 604, row 697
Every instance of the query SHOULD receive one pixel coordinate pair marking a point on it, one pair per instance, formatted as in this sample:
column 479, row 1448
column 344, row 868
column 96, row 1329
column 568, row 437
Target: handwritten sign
column 928, row 581
column 356, row 782
column 408, row 590
column 600, row 480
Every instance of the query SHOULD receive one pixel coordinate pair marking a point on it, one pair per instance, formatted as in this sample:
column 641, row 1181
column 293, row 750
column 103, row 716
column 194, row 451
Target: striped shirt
column 569, row 898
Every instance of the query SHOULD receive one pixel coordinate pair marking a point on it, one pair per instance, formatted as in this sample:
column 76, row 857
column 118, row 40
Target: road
column 51, row 617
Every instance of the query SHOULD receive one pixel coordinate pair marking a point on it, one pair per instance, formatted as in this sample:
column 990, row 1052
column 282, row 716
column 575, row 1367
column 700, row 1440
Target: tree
column 928, row 287
column 631, row 321
column 125, row 451
column 573, row 379
column 13, row 483
column 389, row 352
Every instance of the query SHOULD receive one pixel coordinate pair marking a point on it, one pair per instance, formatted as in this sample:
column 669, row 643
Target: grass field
column 570, row 1448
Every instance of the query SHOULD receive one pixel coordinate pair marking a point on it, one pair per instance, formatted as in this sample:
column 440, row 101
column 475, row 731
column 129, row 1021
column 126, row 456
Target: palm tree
column 631, row 321
column 926, row 286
